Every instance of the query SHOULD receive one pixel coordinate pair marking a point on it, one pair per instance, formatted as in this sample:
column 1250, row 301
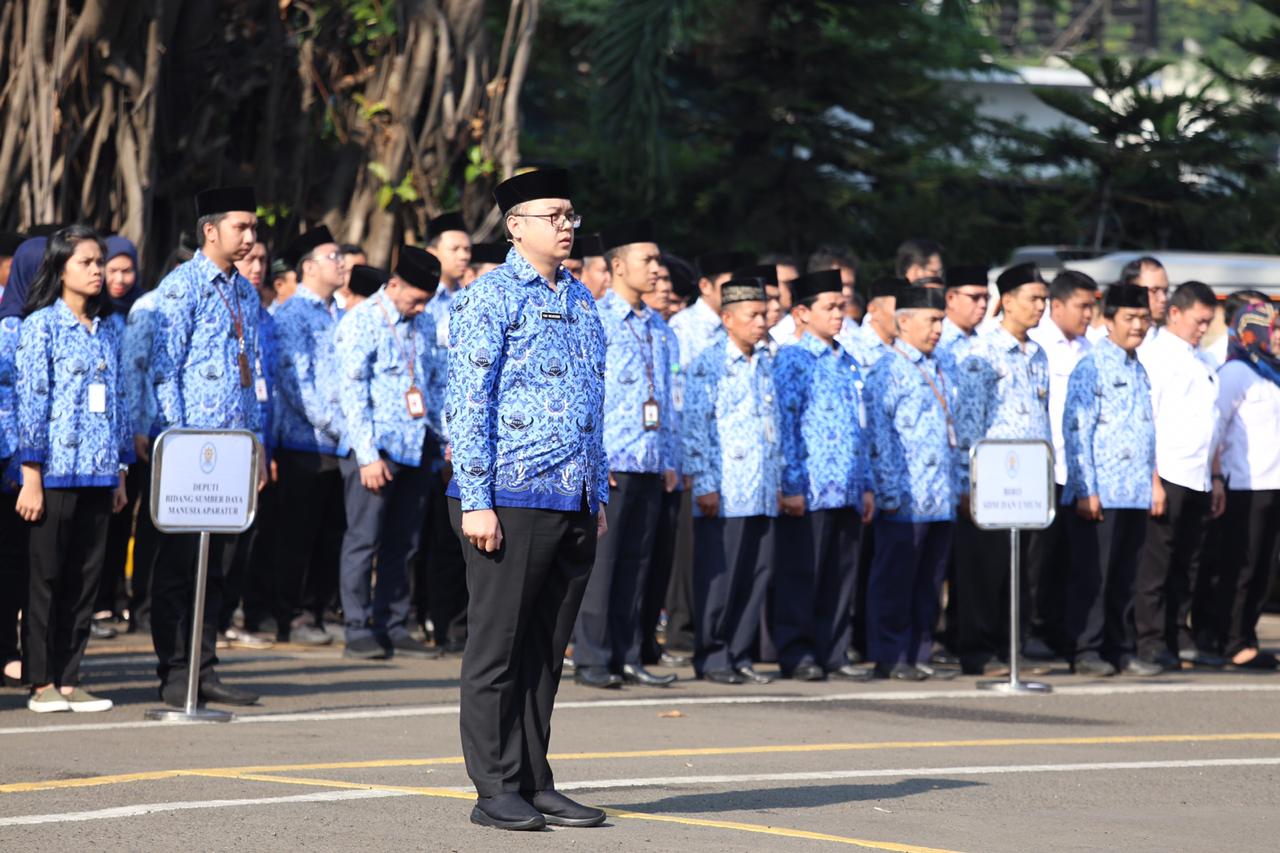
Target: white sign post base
column 206, row 482
column 1011, row 488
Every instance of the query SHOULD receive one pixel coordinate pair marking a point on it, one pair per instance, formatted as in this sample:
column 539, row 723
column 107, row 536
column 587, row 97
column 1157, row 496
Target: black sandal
column 1261, row 661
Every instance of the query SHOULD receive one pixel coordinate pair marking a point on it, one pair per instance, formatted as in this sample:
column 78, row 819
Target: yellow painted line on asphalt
column 616, row 813
column 777, row 749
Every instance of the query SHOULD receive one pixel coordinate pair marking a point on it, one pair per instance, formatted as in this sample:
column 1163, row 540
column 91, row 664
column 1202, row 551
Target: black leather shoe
column 215, row 691
column 596, row 676
column 365, row 648
column 405, row 646
column 1139, row 667
column 636, row 674
column 807, row 672
column 1092, row 664
column 454, row 647
column 99, row 630
column 749, row 675
column 906, row 672
column 174, row 694
column 1196, row 657
column 849, row 672
column 674, row 659
column 507, row 811
column 559, row 810
column 933, row 672
column 722, row 676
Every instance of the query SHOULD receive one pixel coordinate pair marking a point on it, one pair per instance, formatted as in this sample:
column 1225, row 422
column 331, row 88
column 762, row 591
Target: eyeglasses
column 557, row 220
column 976, row 297
column 336, row 257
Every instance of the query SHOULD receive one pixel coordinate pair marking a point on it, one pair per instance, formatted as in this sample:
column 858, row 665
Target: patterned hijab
column 1249, row 340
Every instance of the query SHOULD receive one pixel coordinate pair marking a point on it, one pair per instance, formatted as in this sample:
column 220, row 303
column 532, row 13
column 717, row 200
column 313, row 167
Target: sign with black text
column 204, row 480
column 1011, row 484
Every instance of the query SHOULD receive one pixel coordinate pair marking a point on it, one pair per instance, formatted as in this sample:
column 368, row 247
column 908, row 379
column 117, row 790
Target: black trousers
column 386, row 526
column 1169, row 571
column 1048, row 618
column 523, row 602
column 904, row 588
column 660, row 572
column 309, row 540
column 66, row 549
column 172, row 597
column 13, row 576
column 1104, row 562
column 113, row 591
column 1250, row 529
column 146, row 549
column 445, row 568
column 814, row 579
column 608, row 630
column 982, row 581
column 681, row 626
column 733, row 558
column 251, row 575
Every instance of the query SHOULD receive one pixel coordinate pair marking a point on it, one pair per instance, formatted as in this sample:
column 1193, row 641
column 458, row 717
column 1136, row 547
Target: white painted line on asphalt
column 657, row 782
column 153, row 808
column 832, row 775
column 674, row 700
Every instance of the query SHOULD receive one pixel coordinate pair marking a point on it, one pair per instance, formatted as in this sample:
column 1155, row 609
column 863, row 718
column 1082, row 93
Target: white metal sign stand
column 206, row 482
column 1011, row 488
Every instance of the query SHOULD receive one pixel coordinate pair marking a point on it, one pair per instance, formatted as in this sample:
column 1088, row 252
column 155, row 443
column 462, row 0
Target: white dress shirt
column 1063, row 353
column 1217, row 351
column 785, row 331
column 1249, row 418
column 1184, row 396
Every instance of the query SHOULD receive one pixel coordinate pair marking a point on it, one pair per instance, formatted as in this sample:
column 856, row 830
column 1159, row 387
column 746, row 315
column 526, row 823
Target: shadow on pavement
column 800, row 797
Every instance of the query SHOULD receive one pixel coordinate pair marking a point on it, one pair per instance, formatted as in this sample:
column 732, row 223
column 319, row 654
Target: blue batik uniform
column 135, row 358
column 10, row 328
column 1003, row 394
column 864, row 344
column 1109, row 435
column 195, row 350
column 1108, row 430
column 955, row 341
column 438, row 310
column 265, row 371
column 308, row 413
column 825, row 446
column 374, row 376
column 1004, row 391
column 526, row 392
column 912, row 396
column 697, row 328
column 730, row 428
column 609, row 631
column 59, row 360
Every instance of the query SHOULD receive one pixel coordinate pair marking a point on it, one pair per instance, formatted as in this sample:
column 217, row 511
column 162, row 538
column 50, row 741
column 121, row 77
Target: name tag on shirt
column 650, row 413
column 260, row 388
column 97, row 398
column 415, row 403
column 552, row 315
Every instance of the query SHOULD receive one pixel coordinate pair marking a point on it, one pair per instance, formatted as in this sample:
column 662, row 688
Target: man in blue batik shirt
column 699, row 326
column 639, row 440
column 1110, row 440
column 1003, row 393
column 967, row 296
column 826, row 487
column 911, row 398
column 730, row 430
column 525, row 415
column 873, row 340
column 309, row 428
column 204, row 352
column 388, row 381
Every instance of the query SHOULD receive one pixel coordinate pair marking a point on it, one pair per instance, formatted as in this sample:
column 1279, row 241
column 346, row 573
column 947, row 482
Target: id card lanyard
column 237, row 320
column 414, row 402
column 952, row 439
column 650, row 412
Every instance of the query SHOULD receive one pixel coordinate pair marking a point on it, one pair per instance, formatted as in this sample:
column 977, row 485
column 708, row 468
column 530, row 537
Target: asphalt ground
column 345, row 755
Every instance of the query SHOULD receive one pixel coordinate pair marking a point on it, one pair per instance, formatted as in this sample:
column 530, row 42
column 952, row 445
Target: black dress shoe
column 507, row 811
column 174, row 694
column 849, row 672
column 1198, row 657
column 852, row 655
column 99, row 630
column 559, row 810
column 906, row 672
column 403, row 645
column 674, row 659
column 808, row 672
column 636, row 674
column 596, row 676
column 722, row 676
column 749, row 675
column 212, row 690
column 454, row 647
column 365, row 648
column 929, row 671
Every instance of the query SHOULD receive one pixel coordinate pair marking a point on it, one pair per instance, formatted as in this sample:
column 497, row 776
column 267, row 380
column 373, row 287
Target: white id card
column 97, row 398
column 260, row 389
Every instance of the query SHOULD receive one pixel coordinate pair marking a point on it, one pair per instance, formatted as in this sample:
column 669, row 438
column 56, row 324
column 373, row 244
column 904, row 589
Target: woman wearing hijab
column 74, row 446
column 13, row 534
column 1248, row 417
column 120, row 282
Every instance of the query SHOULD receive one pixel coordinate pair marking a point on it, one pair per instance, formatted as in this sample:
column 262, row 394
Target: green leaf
column 386, row 194
column 380, row 171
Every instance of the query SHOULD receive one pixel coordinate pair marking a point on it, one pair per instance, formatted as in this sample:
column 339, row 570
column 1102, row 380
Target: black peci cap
column 1016, row 276
column 489, row 253
column 365, row 280
column 419, row 268
column 304, row 244
column 626, row 233
column 225, row 200
column 742, row 290
column 451, row 221
column 528, row 186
